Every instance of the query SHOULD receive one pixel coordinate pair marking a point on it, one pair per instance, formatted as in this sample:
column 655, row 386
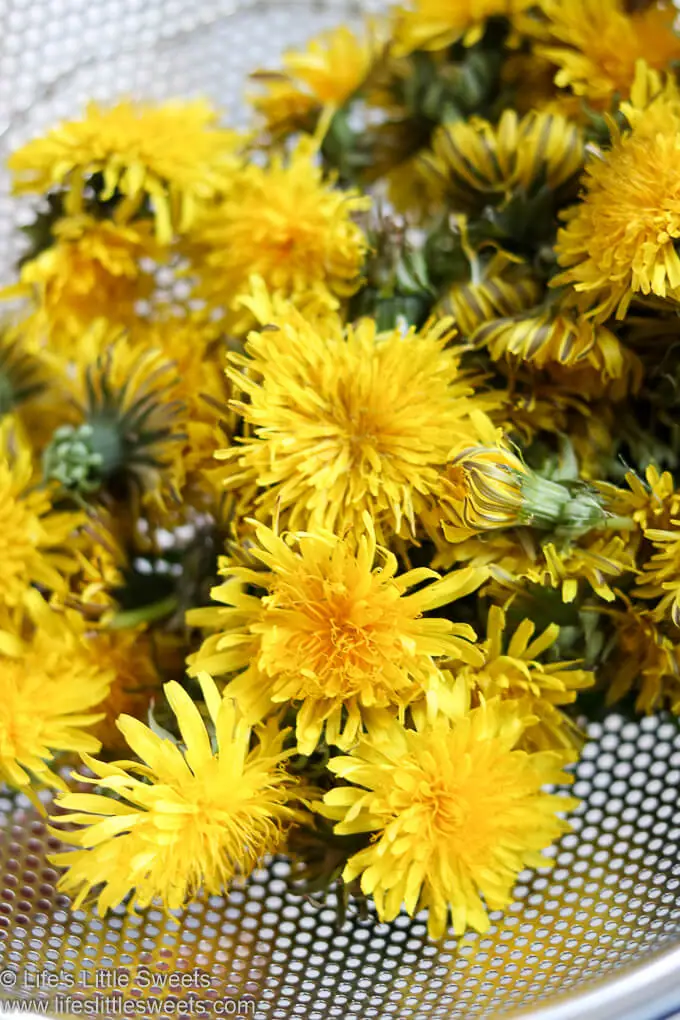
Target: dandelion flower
column 455, row 811
column 596, row 44
column 343, row 424
column 31, row 385
column 331, row 69
column 514, row 673
column 335, row 632
column 620, row 239
column 660, row 577
column 286, row 224
column 51, row 690
column 33, row 536
column 436, row 24
column 595, row 560
column 598, row 559
column 101, row 562
column 174, row 155
column 642, row 659
column 196, row 817
column 651, row 502
column 24, row 375
column 91, row 271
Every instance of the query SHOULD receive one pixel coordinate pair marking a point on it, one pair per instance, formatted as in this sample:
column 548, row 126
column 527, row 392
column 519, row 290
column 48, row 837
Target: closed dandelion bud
column 500, row 288
column 490, row 487
column 474, row 164
column 483, row 490
column 580, row 356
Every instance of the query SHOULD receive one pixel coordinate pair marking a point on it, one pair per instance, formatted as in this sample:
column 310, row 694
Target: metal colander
column 597, row 936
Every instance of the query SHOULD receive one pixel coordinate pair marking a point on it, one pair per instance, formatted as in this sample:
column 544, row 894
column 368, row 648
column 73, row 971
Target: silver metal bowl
column 596, row 937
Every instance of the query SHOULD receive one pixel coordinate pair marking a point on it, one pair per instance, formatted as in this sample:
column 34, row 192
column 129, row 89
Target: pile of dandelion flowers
column 337, row 631
column 456, row 811
column 340, row 425
column 194, row 819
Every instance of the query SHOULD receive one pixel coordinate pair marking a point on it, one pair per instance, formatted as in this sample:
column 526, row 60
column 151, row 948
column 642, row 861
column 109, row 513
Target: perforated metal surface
column 602, row 924
column 612, row 899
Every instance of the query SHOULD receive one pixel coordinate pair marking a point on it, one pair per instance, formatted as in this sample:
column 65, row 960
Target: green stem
column 144, row 614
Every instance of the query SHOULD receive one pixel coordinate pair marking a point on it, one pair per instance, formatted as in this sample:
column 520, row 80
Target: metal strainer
column 596, row 937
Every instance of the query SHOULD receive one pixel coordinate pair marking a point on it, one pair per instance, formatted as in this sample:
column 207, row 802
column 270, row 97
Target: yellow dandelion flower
column 596, row 44
column 336, row 632
column 288, row 225
column 99, row 550
column 24, row 375
column 436, row 24
column 474, row 164
column 597, row 560
column 33, row 537
column 584, row 357
column 91, row 271
column 642, row 659
column 332, row 68
column 620, row 239
column 456, row 810
column 341, row 424
column 51, row 690
column 517, row 556
column 197, row 817
column 174, row 156
column 514, row 673
column 651, row 502
column 660, row 578
column 510, row 554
